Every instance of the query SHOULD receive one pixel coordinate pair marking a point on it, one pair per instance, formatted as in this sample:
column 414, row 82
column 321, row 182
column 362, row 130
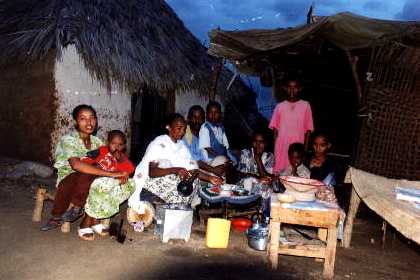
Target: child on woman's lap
column 74, row 189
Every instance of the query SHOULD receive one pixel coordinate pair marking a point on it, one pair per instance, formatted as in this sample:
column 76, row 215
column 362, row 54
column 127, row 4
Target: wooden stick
column 273, row 82
column 65, row 227
column 215, row 78
column 348, row 229
column 353, row 64
column 39, row 203
column 384, row 225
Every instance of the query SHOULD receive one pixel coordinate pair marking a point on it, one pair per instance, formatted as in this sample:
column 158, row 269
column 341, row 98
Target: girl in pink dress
column 292, row 122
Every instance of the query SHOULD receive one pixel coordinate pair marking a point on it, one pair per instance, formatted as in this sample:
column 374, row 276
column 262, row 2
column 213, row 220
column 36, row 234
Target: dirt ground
column 28, row 253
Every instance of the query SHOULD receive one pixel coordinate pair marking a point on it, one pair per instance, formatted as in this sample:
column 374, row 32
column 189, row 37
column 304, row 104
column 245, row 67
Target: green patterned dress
column 106, row 194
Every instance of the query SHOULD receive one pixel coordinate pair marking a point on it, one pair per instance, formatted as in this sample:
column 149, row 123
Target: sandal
column 52, row 224
column 86, row 234
column 72, row 214
column 100, row 229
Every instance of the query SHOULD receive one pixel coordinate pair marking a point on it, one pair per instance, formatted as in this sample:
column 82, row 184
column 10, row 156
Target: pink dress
column 291, row 120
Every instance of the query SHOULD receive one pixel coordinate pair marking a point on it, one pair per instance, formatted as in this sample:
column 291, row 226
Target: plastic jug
column 217, row 234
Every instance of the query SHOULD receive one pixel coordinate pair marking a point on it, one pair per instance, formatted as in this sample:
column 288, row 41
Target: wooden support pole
column 39, row 203
column 384, row 226
column 65, row 227
column 215, row 78
column 353, row 64
column 273, row 82
column 348, row 229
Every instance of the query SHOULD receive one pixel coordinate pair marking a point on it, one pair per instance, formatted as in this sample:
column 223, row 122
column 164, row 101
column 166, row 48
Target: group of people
column 94, row 177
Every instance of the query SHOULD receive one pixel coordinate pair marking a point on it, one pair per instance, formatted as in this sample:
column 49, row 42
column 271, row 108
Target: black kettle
column 186, row 187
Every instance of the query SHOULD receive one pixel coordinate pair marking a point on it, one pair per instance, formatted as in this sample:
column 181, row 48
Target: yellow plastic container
column 217, row 234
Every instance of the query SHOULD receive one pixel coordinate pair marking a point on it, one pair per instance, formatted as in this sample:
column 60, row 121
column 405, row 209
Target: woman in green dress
column 106, row 194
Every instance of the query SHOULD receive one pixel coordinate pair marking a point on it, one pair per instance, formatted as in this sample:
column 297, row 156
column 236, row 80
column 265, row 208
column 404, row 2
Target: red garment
column 107, row 162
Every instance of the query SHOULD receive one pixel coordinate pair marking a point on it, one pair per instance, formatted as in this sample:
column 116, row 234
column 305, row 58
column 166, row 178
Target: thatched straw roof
column 127, row 42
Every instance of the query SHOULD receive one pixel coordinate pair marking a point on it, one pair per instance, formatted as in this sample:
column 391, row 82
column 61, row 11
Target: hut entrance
column 149, row 110
column 328, row 85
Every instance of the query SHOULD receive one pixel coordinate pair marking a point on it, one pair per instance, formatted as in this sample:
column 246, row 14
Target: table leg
column 330, row 253
column 274, row 244
column 348, row 228
column 322, row 234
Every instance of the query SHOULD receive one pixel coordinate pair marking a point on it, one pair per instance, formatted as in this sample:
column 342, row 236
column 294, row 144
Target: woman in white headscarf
column 166, row 162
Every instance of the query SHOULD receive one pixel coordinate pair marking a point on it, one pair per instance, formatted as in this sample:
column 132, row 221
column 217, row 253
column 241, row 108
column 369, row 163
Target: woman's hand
column 123, row 179
column 220, row 169
column 181, row 172
column 121, row 176
column 214, row 180
column 266, row 180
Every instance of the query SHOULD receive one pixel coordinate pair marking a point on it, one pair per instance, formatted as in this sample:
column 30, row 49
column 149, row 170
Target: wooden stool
column 41, row 196
column 325, row 221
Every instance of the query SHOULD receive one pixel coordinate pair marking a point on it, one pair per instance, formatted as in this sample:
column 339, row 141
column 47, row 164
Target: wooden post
column 348, row 228
column 273, row 82
column 215, row 78
column 65, row 227
column 39, row 203
column 353, row 64
column 274, row 244
column 330, row 253
column 384, row 226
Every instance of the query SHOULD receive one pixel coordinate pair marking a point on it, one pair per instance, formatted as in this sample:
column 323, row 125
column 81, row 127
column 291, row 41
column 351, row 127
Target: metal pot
column 258, row 243
column 258, row 237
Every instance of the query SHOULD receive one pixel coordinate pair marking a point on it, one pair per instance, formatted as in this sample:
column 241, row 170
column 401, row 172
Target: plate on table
column 298, row 184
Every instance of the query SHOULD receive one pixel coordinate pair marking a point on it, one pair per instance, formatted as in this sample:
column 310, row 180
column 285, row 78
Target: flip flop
column 86, row 234
column 52, row 224
column 72, row 214
column 100, row 229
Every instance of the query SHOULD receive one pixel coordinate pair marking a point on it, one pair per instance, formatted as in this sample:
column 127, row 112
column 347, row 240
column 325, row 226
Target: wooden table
column 325, row 220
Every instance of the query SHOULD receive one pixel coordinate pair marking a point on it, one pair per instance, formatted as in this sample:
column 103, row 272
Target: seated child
column 212, row 137
column 111, row 157
column 296, row 153
column 74, row 189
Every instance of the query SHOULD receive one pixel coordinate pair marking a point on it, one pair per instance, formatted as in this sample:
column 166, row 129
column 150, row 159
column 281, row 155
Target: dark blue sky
column 200, row 16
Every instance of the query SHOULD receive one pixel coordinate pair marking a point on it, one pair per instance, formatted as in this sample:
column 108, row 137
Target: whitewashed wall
column 185, row 99
column 75, row 86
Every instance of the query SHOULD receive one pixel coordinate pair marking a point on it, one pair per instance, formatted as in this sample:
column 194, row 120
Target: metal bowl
column 240, row 192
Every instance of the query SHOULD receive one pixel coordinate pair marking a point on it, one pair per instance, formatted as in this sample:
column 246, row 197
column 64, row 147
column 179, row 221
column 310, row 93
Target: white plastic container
column 173, row 222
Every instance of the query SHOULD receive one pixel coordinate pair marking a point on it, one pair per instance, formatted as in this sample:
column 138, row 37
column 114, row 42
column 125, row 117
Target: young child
column 296, row 167
column 74, row 189
column 292, row 122
column 112, row 157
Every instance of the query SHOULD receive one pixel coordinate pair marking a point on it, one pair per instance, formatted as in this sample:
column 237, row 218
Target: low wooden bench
column 41, row 196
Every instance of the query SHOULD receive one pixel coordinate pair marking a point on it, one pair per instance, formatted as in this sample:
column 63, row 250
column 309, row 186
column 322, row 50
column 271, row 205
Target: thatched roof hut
column 362, row 76
column 57, row 54
column 129, row 43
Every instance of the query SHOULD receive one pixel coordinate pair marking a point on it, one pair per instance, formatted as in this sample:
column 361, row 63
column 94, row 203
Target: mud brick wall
column 27, row 110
